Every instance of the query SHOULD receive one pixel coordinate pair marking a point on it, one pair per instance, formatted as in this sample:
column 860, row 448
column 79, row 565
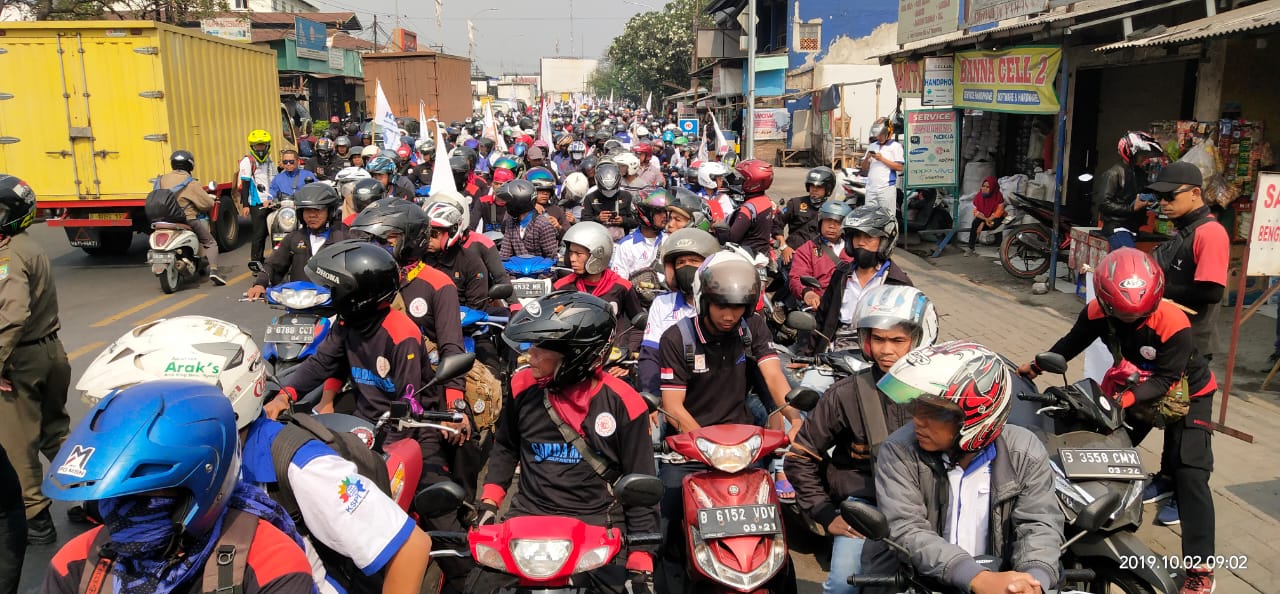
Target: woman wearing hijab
column 988, row 209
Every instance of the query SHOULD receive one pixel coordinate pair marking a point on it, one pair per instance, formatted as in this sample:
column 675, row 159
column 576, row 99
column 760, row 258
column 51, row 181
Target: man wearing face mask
column 869, row 235
column 680, row 256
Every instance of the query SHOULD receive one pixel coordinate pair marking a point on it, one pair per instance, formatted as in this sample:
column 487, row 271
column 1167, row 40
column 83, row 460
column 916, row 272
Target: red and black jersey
column 617, row 292
column 483, row 248
column 1161, row 343
column 554, row 479
column 431, row 301
column 275, row 566
column 468, row 272
column 383, row 364
column 751, row 225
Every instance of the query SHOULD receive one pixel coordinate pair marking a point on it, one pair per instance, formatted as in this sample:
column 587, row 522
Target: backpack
column 162, row 205
column 223, row 571
column 297, row 431
column 306, row 147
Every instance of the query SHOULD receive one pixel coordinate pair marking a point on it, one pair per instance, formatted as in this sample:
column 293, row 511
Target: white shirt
column 664, row 312
column 969, row 507
column 853, row 291
column 317, row 242
column 879, row 175
column 633, row 252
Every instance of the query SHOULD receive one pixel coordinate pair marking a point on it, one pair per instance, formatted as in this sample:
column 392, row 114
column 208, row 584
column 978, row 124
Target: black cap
column 1176, row 175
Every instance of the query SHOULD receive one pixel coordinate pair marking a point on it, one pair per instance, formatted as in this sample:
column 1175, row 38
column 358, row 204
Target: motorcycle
column 732, row 517
column 545, row 553
column 868, row 521
column 175, row 255
column 293, row 336
column 532, row 277
column 1093, row 459
column 282, row 219
column 1024, row 252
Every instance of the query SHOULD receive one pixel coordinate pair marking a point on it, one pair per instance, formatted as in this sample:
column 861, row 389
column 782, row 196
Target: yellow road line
column 172, row 308
column 239, row 277
column 84, row 349
column 128, row 312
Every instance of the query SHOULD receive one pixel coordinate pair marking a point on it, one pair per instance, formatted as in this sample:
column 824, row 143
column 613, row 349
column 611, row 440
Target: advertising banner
column 908, row 75
column 1014, row 80
column 938, row 81
column 981, row 12
column 231, row 28
column 771, row 124
column 932, row 147
column 1264, row 238
column 922, row 19
column 310, row 39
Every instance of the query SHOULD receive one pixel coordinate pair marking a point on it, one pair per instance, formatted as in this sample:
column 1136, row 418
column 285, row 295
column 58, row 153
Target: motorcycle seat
column 162, row 225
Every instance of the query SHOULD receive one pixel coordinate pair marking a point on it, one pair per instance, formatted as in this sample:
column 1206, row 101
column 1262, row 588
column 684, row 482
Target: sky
column 510, row 39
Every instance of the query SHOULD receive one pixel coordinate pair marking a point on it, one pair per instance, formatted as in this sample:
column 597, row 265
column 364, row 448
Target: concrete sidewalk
column 1246, row 481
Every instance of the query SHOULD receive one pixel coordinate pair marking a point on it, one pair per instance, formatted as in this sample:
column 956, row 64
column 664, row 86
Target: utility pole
column 693, row 61
column 375, row 33
column 748, row 126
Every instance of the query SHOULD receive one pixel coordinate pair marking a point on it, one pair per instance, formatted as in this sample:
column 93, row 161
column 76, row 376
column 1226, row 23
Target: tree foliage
column 168, row 11
column 651, row 55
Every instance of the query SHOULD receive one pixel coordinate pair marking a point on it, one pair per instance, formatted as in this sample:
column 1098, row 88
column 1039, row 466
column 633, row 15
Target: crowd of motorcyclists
column 676, row 257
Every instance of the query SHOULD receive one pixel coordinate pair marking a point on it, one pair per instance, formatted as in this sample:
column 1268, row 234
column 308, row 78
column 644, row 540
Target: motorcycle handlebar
column 1078, row 575
column 432, row 416
column 1040, row 398
column 873, row 580
column 644, row 539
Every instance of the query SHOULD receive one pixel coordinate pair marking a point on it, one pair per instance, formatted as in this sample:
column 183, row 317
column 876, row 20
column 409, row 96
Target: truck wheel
column 227, row 228
column 111, row 243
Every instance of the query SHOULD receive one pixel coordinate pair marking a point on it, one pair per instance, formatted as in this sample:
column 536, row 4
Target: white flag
column 471, row 35
column 702, row 150
column 610, row 97
column 648, row 102
column 491, row 130
column 385, row 119
column 423, row 130
column 441, row 173
column 722, row 144
column 544, row 125
column 440, row 14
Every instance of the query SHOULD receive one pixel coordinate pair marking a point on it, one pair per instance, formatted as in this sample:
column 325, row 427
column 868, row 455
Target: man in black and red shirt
column 1154, row 337
column 572, row 429
column 588, row 249
column 751, row 225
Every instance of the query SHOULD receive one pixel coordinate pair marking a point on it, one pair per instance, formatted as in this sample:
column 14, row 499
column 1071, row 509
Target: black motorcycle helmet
column 392, row 216
column 588, row 167
column 318, row 195
column 17, row 205
column 182, row 161
column 608, row 178
column 821, row 176
column 461, row 170
column 366, row 192
column 517, row 195
column 361, row 276
column 577, row 325
column 472, row 156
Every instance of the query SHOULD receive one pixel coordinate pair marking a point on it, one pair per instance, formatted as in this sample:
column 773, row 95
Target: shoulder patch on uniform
column 605, row 425
column 4, row 271
column 418, row 307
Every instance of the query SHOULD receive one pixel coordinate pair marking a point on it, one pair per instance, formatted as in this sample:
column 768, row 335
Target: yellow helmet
column 260, row 137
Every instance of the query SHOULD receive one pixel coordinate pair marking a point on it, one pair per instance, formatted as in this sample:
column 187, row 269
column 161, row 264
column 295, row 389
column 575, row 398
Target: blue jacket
column 289, row 182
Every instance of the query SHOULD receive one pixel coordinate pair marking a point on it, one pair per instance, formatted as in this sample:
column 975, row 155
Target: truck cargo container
column 443, row 81
column 93, row 109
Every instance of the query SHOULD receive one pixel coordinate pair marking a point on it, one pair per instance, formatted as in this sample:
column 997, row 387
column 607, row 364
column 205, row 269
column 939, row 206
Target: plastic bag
column 1215, row 190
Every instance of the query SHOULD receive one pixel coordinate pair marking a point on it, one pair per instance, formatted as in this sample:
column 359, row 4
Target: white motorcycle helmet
column 628, row 160
column 708, row 173
column 347, row 178
column 576, row 187
column 187, row 347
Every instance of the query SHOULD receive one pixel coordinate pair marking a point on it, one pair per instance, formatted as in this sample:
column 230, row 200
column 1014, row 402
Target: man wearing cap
column 1194, row 262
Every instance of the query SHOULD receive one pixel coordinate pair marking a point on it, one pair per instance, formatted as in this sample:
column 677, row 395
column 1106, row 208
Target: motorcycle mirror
column 255, row 266
column 865, row 519
column 452, row 367
column 1051, row 363
column 653, row 402
column 500, row 291
column 1085, row 177
column 213, row 186
column 810, row 282
column 802, row 398
column 1096, row 514
column 399, row 409
column 439, row 499
column 640, row 320
column 802, row 320
column 638, row 490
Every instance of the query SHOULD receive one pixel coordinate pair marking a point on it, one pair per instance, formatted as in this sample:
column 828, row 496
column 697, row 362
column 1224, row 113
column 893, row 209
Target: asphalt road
column 101, row 298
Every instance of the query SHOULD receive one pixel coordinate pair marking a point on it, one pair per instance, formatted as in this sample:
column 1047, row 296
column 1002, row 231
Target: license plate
column 1116, row 464
column 160, row 257
column 530, row 288
column 106, row 216
column 301, row 331
column 742, row 520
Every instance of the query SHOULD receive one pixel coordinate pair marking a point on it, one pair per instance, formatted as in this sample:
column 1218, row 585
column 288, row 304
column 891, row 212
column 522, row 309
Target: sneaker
column 1199, row 581
column 216, row 278
column 1158, row 488
column 1275, row 356
column 1167, row 515
column 40, row 529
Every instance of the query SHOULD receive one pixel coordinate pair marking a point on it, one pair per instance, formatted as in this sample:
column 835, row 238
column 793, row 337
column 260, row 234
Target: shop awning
column 1249, row 18
column 1007, row 27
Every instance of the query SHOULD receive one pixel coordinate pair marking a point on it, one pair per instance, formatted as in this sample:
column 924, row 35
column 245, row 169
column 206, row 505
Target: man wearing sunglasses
column 291, row 177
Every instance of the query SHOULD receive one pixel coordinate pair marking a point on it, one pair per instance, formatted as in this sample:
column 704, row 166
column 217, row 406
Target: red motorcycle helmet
column 643, row 149
column 757, row 175
column 1128, row 284
column 404, row 152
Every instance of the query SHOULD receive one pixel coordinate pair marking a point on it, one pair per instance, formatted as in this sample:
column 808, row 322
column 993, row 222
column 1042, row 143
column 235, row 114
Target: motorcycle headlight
column 490, row 557
column 288, row 219
column 730, row 458
column 539, row 558
column 592, row 559
column 300, row 299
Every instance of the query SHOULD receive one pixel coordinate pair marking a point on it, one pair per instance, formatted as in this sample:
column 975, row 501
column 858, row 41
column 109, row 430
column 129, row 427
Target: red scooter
column 544, row 552
column 732, row 518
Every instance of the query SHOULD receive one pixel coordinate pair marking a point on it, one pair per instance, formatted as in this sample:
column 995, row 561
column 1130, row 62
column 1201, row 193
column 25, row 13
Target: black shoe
column 215, row 276
column 40, row 529
column 1274, row 357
